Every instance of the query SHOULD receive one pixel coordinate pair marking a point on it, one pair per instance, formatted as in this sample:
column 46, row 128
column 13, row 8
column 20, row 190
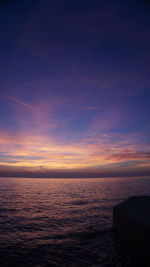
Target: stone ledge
column 131, row 220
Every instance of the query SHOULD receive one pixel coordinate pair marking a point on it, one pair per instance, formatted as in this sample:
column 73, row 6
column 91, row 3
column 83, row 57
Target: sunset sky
column 74, row 88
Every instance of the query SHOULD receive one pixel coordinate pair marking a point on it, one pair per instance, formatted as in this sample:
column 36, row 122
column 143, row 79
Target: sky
column 74, row 88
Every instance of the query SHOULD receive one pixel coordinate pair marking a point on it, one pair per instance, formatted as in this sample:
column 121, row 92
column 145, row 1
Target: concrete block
column 131, row 220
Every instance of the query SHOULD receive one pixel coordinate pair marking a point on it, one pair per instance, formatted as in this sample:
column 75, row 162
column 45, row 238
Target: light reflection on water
column 62, row 222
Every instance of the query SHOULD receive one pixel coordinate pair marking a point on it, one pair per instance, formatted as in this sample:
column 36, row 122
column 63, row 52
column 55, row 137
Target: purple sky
column 74, row 88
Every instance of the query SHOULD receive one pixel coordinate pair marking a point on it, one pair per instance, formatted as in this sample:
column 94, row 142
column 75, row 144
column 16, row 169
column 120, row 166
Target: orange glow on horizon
column 33, row 151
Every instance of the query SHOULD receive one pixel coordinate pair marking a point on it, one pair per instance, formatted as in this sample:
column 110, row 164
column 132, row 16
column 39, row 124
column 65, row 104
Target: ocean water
column 63, row 222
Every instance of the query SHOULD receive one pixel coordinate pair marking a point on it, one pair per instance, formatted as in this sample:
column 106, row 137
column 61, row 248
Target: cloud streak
column 33, row 151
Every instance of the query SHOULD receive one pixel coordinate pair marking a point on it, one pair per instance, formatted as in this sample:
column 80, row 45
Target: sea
column 64, row 222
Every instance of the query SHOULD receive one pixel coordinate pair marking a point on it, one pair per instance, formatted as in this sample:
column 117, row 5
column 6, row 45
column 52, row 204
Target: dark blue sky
column 75, row 86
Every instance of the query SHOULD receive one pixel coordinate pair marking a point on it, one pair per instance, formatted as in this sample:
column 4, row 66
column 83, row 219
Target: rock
column 131, row 220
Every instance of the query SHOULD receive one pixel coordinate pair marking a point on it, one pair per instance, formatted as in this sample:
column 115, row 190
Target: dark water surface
column 63, row 222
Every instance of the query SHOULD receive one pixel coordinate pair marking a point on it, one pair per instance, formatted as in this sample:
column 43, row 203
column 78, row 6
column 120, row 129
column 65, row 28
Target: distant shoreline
column 107, row 177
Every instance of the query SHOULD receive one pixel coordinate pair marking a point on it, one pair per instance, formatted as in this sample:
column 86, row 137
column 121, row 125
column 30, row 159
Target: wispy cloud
column 27, row 106
column 34, row 151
